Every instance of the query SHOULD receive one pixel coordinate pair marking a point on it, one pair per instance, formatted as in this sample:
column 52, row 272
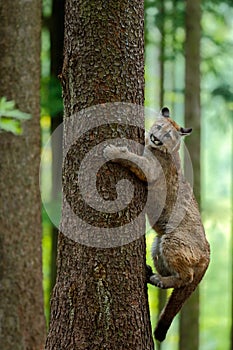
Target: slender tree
column 189, row 321
column 100, row 297
column 22, row 321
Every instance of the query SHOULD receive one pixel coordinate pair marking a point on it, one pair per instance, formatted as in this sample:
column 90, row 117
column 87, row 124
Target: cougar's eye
column 155, row 140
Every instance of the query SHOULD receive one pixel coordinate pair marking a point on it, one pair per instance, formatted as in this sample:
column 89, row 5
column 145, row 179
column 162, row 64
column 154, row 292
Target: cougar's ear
column 185, row 131
column 165, row 112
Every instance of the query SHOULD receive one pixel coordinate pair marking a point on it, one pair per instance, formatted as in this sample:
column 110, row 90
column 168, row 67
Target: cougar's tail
column 173, row 306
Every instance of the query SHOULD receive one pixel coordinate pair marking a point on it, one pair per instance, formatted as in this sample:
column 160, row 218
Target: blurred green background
column 216, row 145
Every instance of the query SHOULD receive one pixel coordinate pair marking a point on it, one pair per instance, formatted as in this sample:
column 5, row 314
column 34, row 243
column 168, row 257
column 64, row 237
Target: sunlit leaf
column 10, row 116
column 10, row 125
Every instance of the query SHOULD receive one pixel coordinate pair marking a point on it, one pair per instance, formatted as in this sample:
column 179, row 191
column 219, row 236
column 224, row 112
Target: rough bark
column 100, row 297
column 189, row 321
column 22, row 324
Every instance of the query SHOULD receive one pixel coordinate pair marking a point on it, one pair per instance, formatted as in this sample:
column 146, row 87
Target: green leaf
column 8, row 109
column 16, row 114
column 6, row 105
column 11, row 117
column 51, row 96
column 10, row 126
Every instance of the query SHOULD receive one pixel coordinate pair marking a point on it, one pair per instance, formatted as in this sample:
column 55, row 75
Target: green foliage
column 51, row 92
column 216, row 158
column 225, row 91
column 11, row 117
column 51, row 101
column 47, row 8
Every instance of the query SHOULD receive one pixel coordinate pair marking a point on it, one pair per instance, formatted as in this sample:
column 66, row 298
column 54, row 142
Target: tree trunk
column 100, row 297
column 189, row 322
column 21, row 301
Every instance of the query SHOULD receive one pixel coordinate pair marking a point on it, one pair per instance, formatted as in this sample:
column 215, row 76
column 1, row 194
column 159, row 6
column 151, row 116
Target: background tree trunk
column 21, row 302
column 100, row 297
column 189, row 321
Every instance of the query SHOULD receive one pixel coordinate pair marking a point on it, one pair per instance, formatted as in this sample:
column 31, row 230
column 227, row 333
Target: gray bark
column 22, row 324
column 100, row 297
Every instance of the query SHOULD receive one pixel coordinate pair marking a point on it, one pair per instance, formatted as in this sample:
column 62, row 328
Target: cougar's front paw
column 156, row 281
column 113, row 152
column 110, row 151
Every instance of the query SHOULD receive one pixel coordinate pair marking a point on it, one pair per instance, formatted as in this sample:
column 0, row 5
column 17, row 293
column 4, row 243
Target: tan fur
column 180, row 251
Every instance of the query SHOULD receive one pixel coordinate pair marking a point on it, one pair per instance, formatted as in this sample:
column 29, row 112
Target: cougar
column 180, row 250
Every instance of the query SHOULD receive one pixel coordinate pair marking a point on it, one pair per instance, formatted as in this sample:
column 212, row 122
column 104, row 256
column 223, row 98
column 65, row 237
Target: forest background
column 165, row 82
column 216, row 144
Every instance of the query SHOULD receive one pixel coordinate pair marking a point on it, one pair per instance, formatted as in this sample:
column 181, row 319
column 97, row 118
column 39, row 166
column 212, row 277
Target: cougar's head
column 165, row 134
